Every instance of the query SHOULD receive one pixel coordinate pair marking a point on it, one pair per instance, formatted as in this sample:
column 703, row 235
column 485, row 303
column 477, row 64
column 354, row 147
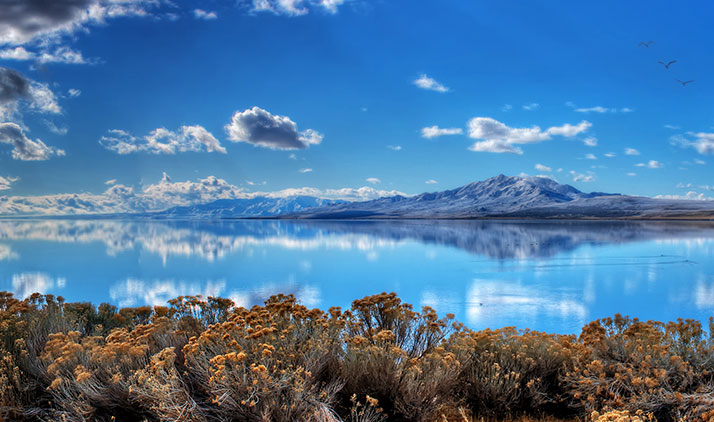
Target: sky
column 126, row 104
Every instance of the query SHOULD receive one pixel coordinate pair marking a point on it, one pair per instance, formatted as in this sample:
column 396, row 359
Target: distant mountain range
column 497, row 197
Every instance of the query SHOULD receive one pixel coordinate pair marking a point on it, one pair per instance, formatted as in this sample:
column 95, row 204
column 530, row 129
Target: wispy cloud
column 373, row 180
column 431, row 182
column 590, row 141
column 395, row 147
column 7, row 182
column 305, row 170
column 599, row 109
column 436, row 131
column 580, row 177
column 631, row 151
column 651, row 164
column 497, row 137
column 541, row 167
column 531, row 107
column 425, row 82
column 205, row 15
column 295, row 7
column 702, row 142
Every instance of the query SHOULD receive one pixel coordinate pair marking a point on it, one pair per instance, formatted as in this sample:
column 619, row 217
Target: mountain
column 259, row 206
column 514, row 197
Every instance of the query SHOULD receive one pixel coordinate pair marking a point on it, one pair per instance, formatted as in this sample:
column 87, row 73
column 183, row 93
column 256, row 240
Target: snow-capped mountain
column 259, row 206
column 515, row 197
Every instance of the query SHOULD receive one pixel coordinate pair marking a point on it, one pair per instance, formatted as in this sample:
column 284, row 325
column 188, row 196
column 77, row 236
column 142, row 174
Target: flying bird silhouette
column 645, row 44
column 668, row 64
column 684, row 83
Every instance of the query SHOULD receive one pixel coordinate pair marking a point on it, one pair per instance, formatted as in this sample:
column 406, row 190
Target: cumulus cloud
column 295, row 7
column 631, row 151
column 425, row 82
column 541, row 167
column 580, row 177
column 373, row 180
column 436, row 131
column 261, row 128
column 27, row 21
column 163, row 141
column 495, row 136
column 652, row 164
column 16, row 88
column 24, row 148
column 6, row 182
column 610, row 154
column 590, row 157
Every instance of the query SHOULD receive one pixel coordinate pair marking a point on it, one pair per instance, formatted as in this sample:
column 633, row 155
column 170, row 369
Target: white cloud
column 436, row 131
column 700, row 162
column 497, row 137
column 590, row 157
column 541, row 167
column 202, row 14
column 631, row 151
column 652, row 164
column 703, row 142
column 261, row 128
column 431, row 182
column 111, row 182
column 135, row 292
column 691, row 195
column 74, row 93
column 305, row 170
column 24, row 148
column 61, row 54
column 580, row 177
column 673, row 127
column 425, row 82
column 58, row 130
column 6, row 182
column 507, row 108
column 631, row 174
column 27, row 283
column 610, row 154
column 531, row 106
column 590, row 141
column 163, row 141
column 395, row 147
column 599, row 109
column 296, row 7
column 373, row 180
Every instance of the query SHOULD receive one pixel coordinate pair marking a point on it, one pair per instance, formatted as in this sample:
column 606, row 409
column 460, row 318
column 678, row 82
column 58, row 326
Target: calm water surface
column 551, row 276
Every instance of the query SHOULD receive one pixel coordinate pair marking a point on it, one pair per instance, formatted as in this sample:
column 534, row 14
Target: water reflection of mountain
column 213, row 240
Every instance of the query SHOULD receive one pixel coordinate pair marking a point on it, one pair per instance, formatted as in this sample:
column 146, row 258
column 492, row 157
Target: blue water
column 552, row 276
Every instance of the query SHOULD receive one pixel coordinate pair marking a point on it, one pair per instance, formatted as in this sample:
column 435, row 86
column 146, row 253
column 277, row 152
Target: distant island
column 497, row 197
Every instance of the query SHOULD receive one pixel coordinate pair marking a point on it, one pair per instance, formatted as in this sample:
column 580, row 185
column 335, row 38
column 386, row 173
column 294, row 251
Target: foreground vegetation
column 205, row 360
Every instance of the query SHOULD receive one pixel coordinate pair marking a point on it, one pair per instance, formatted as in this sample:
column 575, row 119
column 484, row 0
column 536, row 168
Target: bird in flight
column 645, row 44
column 668, row 64
column 684, row 83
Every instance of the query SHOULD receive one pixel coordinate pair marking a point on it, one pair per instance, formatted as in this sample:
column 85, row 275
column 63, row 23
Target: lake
column 553, row 276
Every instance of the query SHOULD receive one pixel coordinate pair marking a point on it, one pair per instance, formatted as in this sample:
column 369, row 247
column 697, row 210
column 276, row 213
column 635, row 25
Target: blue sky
column 349, row 88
